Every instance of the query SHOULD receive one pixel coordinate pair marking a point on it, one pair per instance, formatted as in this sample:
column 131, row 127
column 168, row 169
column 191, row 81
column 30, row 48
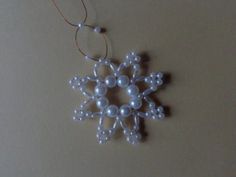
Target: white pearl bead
column 88, row 114
column 159, row 75
column 116, row 73
column 152, row 105
column 80, row 25
column 126, row 63
column 84, row 80
column 132, row 58
column 137, row 59
column 133, row 53
column 154, row 117
column 132, row 90
column 107, row 62
column 153, row 87
column 123, row 81
column 147, row 79
column 153, row 75
column 136, row 67
column 111, row 131
column 86, row 57
column 147, row 114
column 135, row 103
column 110, row 81
column 112, row 111
column 102, row 102
column 100, row 90
column 159, row 82
column 125, row 110
column 160, row 109
column 153, row 111
column 97, row 29
column 161, row 116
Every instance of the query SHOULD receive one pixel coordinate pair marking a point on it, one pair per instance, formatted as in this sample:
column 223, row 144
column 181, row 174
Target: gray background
column 194, row 40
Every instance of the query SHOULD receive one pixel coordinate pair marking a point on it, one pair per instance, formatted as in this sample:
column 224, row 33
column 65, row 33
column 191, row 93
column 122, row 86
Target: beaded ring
column 96, row 29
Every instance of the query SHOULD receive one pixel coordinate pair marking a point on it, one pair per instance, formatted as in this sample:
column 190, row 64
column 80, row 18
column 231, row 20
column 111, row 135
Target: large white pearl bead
column 110, row 81
column 123, row 81
column 125, row 110
column 132, row 90
column 100, row 90
column 102, row 102
column 136, row 103
column 112, row 111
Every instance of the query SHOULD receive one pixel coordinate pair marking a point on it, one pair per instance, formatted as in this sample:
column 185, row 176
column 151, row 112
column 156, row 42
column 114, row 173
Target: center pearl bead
column 112, row 111
column 123, row 81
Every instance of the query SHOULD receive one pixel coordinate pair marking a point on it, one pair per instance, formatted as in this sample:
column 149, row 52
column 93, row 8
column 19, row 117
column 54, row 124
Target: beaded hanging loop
column 96, row 29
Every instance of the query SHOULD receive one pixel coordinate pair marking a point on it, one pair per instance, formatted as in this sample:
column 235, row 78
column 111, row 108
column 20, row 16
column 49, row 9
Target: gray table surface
column 193, row 40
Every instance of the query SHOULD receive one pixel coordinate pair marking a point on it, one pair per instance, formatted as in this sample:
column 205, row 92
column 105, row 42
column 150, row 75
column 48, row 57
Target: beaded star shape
column 119, row 114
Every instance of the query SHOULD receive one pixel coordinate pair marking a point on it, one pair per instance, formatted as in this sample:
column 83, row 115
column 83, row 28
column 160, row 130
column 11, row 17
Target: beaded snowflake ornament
column 119, row 114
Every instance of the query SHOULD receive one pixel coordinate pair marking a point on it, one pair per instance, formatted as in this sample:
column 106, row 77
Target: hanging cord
column 79, row 27
column 65, row 19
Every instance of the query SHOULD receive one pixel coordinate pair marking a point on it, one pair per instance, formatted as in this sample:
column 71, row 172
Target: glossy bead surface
column 159, row 82
column 153, row 87
column 80, row 25
column 110, row 81
column 148, row 79
column 97, row 29
column 135, row 103
column 136, row 67
column 125, row 110
column 159, row 74
column 100, row 90
column 112, row 111
column 102, row 102
column 86, row 57
column 137, row 58
column 123, row 81
column 160, row 109
column 161, row 116
column 132, row 90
